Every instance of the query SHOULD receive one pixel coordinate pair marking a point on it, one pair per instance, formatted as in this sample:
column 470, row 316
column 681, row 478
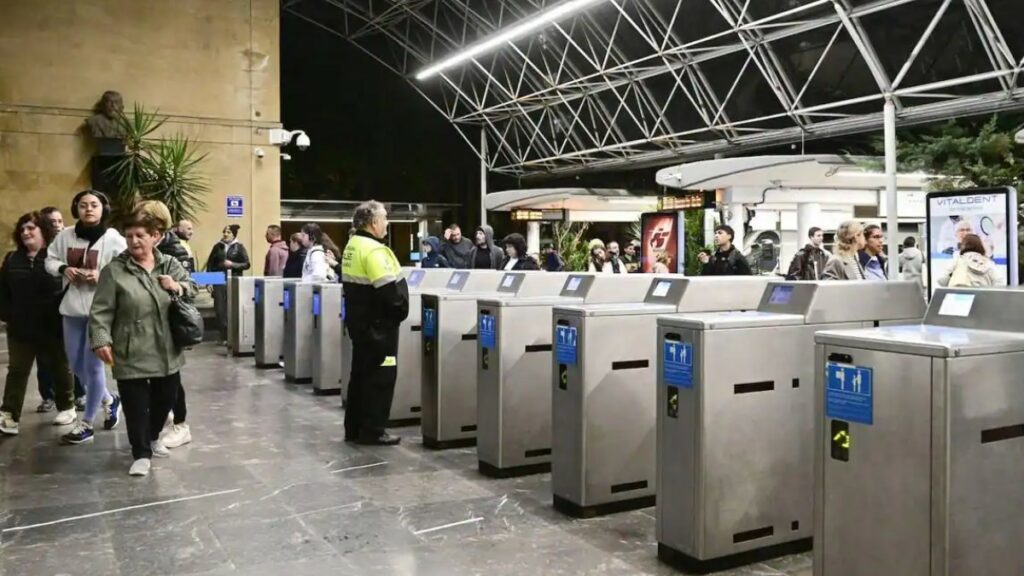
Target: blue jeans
column 86, row 366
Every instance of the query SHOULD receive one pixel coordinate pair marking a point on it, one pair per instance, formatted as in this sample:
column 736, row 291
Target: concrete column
column 533, row 237
column 808, row 214
column 736, row 213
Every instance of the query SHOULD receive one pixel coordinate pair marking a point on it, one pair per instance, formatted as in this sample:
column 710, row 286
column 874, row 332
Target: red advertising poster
column 660, row 242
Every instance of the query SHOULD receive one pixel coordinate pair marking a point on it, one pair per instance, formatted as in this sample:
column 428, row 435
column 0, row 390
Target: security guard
column 376, row 303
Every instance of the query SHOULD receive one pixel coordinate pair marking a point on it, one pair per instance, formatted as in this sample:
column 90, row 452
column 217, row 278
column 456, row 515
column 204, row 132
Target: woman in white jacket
column 78, row 254
column 316, row 267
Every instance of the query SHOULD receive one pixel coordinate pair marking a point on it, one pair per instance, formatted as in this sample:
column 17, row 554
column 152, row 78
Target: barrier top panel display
column 959, row 322
column 821, row 302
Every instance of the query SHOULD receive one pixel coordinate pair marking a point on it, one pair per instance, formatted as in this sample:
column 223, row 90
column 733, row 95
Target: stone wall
column 212, row 67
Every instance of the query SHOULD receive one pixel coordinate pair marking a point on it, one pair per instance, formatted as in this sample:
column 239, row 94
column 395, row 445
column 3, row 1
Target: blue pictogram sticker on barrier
column 316, row 304
column 287, row 300
column 849, row 393
column 486, row 331
column 565, row 344
column 429, row 323
column 677, row 364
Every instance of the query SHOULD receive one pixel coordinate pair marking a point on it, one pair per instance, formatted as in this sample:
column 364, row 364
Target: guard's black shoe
column 384, row 439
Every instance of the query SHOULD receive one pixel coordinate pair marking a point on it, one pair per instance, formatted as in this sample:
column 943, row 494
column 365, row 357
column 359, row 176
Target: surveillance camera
column 302, row 141
column 259, row 153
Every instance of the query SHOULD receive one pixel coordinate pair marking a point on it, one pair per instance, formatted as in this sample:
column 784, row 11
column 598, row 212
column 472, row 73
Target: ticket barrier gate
column 241, row 315
column 603, row 400
column 298, row 331
column 514, row 370
column 449, row 348
column 328, row 315
column 919, row 449
column 406, row 407
column 268, row 297
column 735, row 415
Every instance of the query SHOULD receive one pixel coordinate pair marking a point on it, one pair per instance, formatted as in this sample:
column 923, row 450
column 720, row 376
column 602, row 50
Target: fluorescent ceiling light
column 514, row 32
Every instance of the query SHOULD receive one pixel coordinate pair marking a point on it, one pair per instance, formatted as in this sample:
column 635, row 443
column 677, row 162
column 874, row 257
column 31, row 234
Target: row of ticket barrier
column 756, row 414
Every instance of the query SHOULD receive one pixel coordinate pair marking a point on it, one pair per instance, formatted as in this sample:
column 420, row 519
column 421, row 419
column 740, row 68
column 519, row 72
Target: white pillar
column 483, row 175
column 736, row 214
column 422, row 231
column 808, row 215
column 891, row 218
column 533, row 237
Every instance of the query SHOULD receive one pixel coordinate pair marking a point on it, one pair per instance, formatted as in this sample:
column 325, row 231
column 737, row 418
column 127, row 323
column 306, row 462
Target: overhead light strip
column 510, row 34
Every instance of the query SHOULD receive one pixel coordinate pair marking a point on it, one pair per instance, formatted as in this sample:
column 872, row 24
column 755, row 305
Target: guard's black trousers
column 372, row 385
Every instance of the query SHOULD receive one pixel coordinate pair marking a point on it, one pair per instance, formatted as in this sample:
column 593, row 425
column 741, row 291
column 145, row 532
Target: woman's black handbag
column 186, row 322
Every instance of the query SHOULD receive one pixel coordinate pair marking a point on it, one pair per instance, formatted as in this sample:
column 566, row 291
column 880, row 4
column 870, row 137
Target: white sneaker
column 140, row 467
column 7, row 424
column 176, row 435
column 159, row 450
column 65, row 417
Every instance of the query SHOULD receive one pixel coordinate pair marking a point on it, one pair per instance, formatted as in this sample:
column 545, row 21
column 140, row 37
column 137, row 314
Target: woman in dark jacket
column 516, row 257
column 227, row 255
column 29, row 302
column 296, row 257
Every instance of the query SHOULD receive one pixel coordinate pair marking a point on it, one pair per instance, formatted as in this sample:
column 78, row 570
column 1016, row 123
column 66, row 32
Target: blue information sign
column 316, row 305
column 486, row 331
column 565, row 344
column 235, row 206
column 677, row 364
column 287, row 299
column 429, row 323
column 849, row 393
column 209, row 278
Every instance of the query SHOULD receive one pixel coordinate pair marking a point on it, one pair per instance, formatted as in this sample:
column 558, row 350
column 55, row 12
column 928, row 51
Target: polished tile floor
column 268, row 487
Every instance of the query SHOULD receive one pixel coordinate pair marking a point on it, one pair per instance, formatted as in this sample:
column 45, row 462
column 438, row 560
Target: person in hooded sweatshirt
column 516, row 257
column 973, row 269
column 432, row 257
column 228, row 254
column 485, row 255
column 911, row 260
column 78, row 254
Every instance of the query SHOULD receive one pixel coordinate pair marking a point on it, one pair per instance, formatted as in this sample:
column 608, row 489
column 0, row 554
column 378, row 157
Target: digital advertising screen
column 662, row 242
column 989, row 213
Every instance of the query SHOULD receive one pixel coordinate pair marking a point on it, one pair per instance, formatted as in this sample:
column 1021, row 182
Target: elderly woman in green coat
column 130, row 331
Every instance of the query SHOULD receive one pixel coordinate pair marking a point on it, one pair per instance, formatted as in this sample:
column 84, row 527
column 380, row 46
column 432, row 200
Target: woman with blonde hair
column 845, row 264
column 176, row 431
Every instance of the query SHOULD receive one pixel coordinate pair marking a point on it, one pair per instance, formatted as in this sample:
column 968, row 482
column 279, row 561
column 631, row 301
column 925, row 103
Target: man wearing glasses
column 872, row 259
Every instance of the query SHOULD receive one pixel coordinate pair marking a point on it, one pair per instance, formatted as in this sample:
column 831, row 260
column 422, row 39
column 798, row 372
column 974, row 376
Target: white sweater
column 67, row 249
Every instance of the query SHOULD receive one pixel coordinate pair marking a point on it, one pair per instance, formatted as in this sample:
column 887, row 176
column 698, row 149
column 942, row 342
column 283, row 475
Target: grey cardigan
column 843, row 268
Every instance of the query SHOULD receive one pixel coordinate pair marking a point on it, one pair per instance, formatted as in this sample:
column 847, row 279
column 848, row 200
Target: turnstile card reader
column 241, row 315
column 514, row 370
column 449, row 348
column 298, row 331
column 328, row 315
column 919, row 449
column 735, row 415
column 268, row 297
column 603, row 396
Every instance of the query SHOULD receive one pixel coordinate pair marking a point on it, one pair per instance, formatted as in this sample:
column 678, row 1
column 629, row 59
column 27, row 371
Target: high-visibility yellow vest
column 369, row 262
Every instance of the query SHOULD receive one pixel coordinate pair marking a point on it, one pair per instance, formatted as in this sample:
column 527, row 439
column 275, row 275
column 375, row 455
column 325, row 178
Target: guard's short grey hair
column 366, row 213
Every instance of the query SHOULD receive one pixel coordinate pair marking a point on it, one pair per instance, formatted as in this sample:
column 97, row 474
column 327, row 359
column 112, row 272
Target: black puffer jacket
column 29, row 297
column 171, row 246
column 293, row 266
column 234, row 252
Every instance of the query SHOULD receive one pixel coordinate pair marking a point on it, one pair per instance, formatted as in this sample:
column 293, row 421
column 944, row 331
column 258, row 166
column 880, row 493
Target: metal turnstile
column 406, row 407
column 298, row 331
column 328, row 316
column 603, row 398
column 268, row 297
column 514, row 370
column 735, row 415
column 920, row 442
column 449, row 348
column 241, row 315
